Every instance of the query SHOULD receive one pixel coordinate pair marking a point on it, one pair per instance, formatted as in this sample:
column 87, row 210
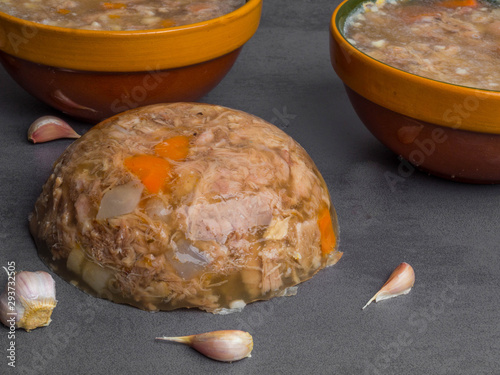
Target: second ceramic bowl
column 448, row 130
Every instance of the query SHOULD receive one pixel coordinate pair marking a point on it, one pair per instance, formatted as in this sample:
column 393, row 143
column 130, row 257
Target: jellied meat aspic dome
column 185, row 205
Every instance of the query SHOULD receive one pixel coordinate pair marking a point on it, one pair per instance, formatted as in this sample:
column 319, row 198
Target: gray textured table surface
column 449, row 232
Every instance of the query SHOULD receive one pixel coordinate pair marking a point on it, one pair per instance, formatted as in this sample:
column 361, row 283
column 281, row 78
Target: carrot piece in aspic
column 328, row 238
column 175, row 148
column 153, row 171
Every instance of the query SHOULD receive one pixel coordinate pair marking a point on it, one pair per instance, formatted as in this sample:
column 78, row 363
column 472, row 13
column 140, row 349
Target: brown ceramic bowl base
column 442, row 151
column 86, row 95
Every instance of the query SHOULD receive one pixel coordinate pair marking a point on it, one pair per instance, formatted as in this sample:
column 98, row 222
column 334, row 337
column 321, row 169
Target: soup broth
column 118, row 15
column 454, row 41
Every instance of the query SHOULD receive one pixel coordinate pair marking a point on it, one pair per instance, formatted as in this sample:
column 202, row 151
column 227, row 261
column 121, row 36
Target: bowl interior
column 344, row 10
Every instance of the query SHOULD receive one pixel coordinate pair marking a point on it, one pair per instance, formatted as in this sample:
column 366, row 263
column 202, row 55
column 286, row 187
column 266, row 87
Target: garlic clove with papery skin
column 225, row 346
column 400, row 282
column 30, row 299
column 49, row 128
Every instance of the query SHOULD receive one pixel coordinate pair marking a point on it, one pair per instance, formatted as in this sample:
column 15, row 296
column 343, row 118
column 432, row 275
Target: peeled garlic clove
column 28, row 299
column 226, row 346
column 48, row 128
column 400, row 282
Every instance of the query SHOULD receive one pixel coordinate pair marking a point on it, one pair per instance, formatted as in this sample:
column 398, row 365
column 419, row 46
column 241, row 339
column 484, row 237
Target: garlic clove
column 225, row 346
column 400, row 282
column 48, row 128
column 36, row 314
column 30, row 298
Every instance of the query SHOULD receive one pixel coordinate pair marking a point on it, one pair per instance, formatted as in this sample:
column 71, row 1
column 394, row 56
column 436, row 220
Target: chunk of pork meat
column 215, row 221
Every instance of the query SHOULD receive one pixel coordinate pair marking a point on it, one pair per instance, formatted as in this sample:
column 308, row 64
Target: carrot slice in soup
column 415, row 14
column 195, row 8
column 63, row 11
column 328, row 238
column 167, row 23
column 175, row 148
column 458, row 3
column 114, row 5
column 151, row 170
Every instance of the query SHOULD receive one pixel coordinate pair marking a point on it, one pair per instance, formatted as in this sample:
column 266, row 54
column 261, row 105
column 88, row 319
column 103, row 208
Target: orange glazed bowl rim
column 425, row 99
column 132, row 50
